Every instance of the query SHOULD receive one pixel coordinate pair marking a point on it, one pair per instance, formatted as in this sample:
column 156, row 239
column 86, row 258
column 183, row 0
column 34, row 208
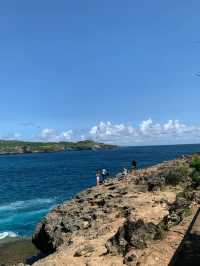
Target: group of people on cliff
column 102, row 175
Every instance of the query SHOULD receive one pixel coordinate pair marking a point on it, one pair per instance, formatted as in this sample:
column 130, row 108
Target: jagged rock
column 93, row 213
column 177, row 211
column 197, row 196
column 190, row 194
column 130, row 259
column 85, row 250
column 152, row 182
column 155, row 183
column 133, row 234
column 126, row 211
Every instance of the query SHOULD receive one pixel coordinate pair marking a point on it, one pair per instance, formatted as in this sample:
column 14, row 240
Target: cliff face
column 128, row 220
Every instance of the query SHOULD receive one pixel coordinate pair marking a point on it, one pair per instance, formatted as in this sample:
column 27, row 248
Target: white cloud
column 50, row 134
column 147, row 132
column 66, row 135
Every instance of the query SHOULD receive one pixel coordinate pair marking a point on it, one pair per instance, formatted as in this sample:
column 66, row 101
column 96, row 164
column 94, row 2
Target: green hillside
column 13, row 146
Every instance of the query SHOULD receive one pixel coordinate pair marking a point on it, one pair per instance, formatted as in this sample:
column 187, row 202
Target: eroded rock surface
column 120, row 222
column 133, row 234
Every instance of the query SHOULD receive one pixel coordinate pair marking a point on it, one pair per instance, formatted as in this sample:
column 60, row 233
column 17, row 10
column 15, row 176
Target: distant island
column 21, row 147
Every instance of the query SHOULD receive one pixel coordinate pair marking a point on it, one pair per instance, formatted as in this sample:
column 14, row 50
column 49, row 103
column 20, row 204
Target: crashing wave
column 7, row 234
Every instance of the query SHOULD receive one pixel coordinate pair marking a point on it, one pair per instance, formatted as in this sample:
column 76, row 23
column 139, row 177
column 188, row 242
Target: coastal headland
column 22, row 147
column 138, row 219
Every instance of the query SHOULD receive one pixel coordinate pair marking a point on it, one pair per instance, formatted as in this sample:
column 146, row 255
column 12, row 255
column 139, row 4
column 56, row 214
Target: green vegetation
column 196, row 170
column 184, row 172
column 196, row 177
column 178, row 174
column 196, row 163
column 13, row 147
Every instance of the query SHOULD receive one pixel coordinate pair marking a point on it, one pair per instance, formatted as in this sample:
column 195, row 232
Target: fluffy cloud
column 67, row 135
column 109, row 132
column 147, row 132
column 50, row 134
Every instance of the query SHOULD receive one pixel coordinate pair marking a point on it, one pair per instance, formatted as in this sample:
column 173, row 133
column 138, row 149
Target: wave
column 17, row 205
column 7, row 234
column 24, row 216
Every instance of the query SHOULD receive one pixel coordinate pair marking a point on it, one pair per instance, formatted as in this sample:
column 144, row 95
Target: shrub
column 196, row 177
column 177, row 174
column 184, row 169
column 196, row 163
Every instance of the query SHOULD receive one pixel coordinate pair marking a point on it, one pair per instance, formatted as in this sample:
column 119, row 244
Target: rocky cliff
column 138, row 219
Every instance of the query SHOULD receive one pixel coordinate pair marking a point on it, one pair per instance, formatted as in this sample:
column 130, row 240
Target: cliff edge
column 139, row 219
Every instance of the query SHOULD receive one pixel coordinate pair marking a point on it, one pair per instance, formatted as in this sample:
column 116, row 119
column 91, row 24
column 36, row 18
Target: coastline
column 67, row 150
column 125, row 221
column 22, row 147
column 85, row 229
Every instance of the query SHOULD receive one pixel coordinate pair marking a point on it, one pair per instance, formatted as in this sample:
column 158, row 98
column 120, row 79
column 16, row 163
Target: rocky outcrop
column 133, row 235
column 83, row 215
column 120, row 220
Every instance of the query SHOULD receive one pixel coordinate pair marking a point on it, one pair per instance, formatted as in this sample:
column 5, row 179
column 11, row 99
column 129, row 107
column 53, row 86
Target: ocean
column 32, row 184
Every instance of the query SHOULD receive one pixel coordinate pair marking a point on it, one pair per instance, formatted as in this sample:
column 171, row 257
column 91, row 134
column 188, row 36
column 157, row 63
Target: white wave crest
column 7, row 234
column 26, row 204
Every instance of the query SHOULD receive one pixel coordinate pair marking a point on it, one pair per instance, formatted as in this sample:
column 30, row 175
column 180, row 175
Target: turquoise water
column 31, row 184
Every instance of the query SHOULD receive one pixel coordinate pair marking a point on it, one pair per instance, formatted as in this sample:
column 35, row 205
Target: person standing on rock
column 98, row 177
column 125, row 172
column 104, row 174
column 133, row 165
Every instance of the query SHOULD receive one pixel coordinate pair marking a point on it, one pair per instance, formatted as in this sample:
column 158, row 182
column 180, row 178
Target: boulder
column 132, row 235
column 155, row 183
column 177, row 211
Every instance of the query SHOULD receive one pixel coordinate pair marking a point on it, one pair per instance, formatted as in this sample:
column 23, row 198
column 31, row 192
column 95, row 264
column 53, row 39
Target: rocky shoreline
column 126, row 221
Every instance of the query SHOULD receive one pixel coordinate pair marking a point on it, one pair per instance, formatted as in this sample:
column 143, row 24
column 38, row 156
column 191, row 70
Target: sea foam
column 7, row 234
column 17, row 205
column 22, row 216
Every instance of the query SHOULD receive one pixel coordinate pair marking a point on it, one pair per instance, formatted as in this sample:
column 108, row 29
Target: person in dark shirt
column 133, row 165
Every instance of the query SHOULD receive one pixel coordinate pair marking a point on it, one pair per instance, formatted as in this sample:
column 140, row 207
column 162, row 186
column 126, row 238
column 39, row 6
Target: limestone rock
column 85, row 250
column 133, row 234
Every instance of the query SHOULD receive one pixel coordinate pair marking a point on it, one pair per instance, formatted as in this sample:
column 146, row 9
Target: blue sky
column 69, row 67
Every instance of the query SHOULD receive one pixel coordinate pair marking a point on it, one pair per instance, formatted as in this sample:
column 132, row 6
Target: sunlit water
column 31, row 184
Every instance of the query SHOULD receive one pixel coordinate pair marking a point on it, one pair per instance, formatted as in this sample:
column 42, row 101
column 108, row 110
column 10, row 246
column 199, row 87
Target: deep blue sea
column 31, row 184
